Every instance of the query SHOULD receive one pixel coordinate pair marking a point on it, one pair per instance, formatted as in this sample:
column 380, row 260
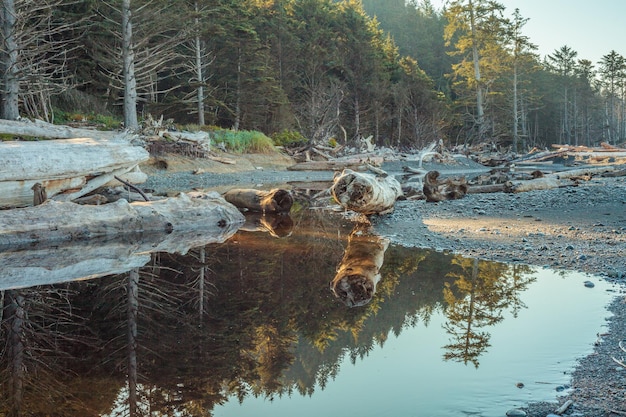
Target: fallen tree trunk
column 366, row 193
column 63, row 221
column 273, row 201
column 41, row 129
column 359, row 270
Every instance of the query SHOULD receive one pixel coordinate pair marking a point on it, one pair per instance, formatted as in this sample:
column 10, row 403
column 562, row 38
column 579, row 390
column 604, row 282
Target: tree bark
column 366, row 193
column 128, row 58
column 10, row 93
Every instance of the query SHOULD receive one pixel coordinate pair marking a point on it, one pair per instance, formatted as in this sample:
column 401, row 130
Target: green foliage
column 289, row 138
column 243, row 141
column 101, row 121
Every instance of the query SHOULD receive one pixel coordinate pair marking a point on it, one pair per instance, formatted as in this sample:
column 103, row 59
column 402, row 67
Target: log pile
column 64, row 168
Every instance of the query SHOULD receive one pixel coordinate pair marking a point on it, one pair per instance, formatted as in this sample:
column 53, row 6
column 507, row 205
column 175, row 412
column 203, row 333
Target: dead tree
column 33, row 56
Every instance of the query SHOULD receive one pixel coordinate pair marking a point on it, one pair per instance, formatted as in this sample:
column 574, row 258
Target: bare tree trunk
column 238, row 92
column 480, row 111
column 133, row 308
column 199, row 74
column 130, row 82
column 10, row 93
column 515, row 110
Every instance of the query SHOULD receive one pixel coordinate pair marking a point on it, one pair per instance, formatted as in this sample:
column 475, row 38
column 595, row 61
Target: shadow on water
column 264, row 317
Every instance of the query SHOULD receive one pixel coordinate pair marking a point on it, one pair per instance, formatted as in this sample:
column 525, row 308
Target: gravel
column 580, row 228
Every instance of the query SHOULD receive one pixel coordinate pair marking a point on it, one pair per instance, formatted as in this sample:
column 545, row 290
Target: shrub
column 289, row 138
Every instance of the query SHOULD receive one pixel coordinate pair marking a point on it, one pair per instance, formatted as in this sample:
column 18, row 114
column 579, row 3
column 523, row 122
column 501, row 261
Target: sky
column 593, row 28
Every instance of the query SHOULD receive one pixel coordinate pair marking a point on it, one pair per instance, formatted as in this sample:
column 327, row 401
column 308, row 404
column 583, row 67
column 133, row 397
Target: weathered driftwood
column 366, row 193
column 66, row 164
column 41, row 129
column 359, row 270
column 201, row 138
column 333, row 165
column 555, row 180
column 448, row 189
column 505, row 187
column 273, row 201
column 55, row 221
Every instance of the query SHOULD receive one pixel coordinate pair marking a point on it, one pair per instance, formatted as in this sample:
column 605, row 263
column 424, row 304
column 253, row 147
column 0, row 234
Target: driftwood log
column 64, row 221
column 77, row 166
column 273, row 201
column 365, row 193
column 448, row 189
column 359, row 270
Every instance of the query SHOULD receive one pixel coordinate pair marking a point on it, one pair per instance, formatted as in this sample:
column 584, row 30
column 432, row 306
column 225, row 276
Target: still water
column 250, row 327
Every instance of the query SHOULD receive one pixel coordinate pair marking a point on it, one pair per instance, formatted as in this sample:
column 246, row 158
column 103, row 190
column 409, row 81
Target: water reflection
column 359, row 270
column 251, row 317
column 476, row 300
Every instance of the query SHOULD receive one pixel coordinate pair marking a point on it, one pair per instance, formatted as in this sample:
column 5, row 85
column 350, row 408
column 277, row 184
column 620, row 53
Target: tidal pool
column 250, row 327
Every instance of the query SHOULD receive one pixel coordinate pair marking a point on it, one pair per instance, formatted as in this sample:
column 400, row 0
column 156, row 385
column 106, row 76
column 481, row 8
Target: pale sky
column 590, row 27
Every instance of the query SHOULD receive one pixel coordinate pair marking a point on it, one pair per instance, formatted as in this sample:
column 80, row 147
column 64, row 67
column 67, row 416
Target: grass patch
column 243, row 141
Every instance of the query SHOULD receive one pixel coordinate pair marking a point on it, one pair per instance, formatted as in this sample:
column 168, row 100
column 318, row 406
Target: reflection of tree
column 40, row 335
column 482, row 292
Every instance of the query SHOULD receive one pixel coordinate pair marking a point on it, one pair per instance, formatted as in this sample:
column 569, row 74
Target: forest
column 322, row 71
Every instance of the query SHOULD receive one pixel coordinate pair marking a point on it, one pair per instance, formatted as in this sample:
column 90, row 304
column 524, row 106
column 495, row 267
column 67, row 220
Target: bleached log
column 273, row 201
column 41, row 129
column 201, row 138
column 92, row 185
column 64, row 221
column 64, row 164
column 20, row 193
column 581, row 172
column 65, row 158
column 544, row 183
column 506, row 187
column 366, row 193
column 359, row 270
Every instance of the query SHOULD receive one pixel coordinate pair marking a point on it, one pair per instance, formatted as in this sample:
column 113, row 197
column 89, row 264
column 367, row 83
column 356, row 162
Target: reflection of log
column 366, row 193
column 359, row 271
column 277, row 225
column 273, row 201
column 26, row 265
column 54, row 221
